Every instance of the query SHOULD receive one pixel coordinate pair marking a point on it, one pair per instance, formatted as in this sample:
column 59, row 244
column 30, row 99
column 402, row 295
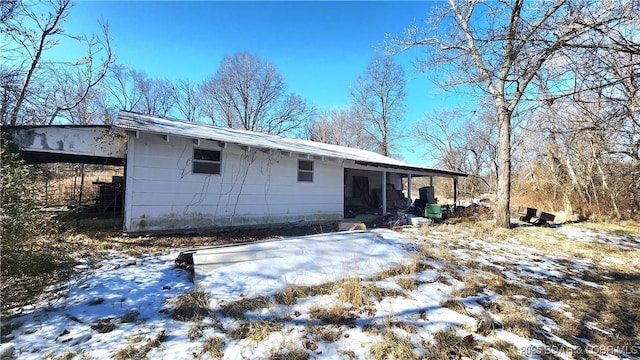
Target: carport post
column 455, row 191
column 408, row 189
column 384, row 193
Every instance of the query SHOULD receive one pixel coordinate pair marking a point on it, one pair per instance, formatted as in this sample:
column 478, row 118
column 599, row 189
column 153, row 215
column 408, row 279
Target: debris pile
column 474, row 209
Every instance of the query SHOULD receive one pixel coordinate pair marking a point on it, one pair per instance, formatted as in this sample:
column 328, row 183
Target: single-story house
column 183, row 176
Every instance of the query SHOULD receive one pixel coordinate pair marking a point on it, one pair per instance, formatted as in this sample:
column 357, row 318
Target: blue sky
column 319, row 47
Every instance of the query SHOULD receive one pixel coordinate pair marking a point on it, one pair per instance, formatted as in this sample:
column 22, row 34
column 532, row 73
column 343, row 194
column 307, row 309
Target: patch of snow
column 311, row 260
column 588, row 283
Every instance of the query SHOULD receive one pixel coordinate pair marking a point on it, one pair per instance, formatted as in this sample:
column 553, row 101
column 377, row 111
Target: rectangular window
column 206, row 161
column 305, row 170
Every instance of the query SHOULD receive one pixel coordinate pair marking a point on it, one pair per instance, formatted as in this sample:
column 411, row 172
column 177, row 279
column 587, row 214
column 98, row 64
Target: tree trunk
column 504, row 169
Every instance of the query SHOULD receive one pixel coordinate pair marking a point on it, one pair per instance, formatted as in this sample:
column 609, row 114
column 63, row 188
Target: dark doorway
column 361, row 189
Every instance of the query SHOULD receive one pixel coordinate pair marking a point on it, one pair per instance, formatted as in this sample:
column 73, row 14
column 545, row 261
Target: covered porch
column 406, row 189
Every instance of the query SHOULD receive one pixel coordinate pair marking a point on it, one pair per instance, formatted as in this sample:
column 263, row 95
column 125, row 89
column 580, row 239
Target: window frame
column 208, row 162
column 305, row 171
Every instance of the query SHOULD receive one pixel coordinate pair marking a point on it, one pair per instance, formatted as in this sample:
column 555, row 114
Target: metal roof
column 172, row 127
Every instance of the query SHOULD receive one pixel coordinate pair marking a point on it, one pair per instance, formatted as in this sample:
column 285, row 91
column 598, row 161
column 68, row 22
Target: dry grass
column 617, row 228
column 195, row 331
column 611, row 307
column 486, row 324
column 255, row 330
column 509, row 349
column 69, row 355
column 193, row 305
column 214, row 347
column 129, row 352
column 407, row 283
column 290, row 353
column 28, row 270
column 138, row 351
column 484, row 230
column 379, row 293
column 237, row 309
column 437, row 252
column 349, row 354
column 392, row 346
column 454, row 304
column 352, row 291
column 408, row 328
column 472, row 287
column 500, row 286
column 551, row 241
column 417, row 265
column 519, row 320
column 336, row 315
column 325, row 333
column 448, row 344
column 291, row 294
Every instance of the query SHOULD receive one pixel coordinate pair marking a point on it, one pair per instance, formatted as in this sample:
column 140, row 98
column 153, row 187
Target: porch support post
column 408, row 189
column 384, row 193
column 455, row 191
column 431, row 180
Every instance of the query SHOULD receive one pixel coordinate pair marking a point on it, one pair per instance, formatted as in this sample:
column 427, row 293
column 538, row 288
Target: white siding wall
column 253, row 188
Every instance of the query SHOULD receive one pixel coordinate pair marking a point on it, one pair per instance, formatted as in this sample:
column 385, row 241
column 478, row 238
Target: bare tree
column 95, row 109
column 248, row 93
column 158, row 96
column 134, row 90
column 31, row 29
column 464, row 143
column 187, row 99
column 7, row 10
column 9, row 85
column 343, row 127
column 500, row 46
column 123, row 86
column 379, row 96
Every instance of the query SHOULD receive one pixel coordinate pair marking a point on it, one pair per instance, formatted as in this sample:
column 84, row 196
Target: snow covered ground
column 447, row 291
